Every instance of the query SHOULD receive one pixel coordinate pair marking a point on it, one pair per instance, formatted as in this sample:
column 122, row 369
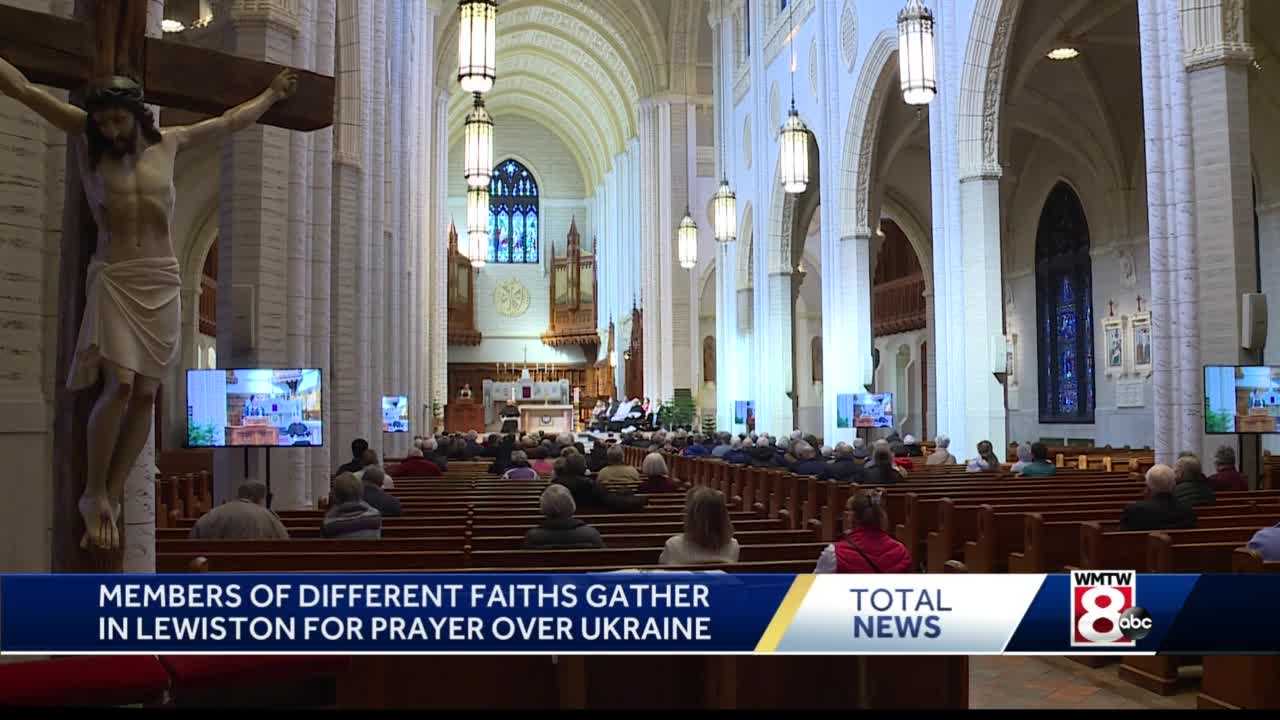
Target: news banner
column 635, row 613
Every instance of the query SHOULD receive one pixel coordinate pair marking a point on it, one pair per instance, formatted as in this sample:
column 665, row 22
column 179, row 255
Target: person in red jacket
column 415, row 465
column 1228, row 478
column 867, row 548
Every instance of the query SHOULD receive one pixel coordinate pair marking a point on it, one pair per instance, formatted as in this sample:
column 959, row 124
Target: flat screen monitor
column 743, row 412
column 395, row 414
column 864, row 410
column 257, row 407
column 1241, row 399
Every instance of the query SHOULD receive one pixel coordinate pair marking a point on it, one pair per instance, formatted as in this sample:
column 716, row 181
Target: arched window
column 513, row 214
column 1064, row 310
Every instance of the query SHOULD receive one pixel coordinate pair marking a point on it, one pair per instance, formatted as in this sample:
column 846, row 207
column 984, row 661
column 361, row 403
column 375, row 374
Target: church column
column 319, row 265
column 775, row 377
column 297, row 267
column 1215, row 197
column 983, row 310
column 254, row 212
column 348, row 390
column 374, row 350
column 846, row 361
column 650, row 238
column 435, row 236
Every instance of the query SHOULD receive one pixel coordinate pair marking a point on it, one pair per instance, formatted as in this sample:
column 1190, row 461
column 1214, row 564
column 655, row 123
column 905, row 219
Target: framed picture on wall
column 1140, row 334
column 1113, row 351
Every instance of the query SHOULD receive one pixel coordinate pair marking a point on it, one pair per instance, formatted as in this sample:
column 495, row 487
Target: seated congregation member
column 911, row 447
column 598, row 458
column 941, row 456
column 571, row 472
column 374, row 494
column 1160, row 510
column 502, row 458
column 697, row 448
column 349, row 516
column 356, row 463
column 431, row 450
column 617, row 472
column 807, row 460
column 737, row 454
column 1192, row 486
column 762, row 453
column 473, row 447
column 1227, row 478
column 860, row 451
column 559, row 529
column 708, row 532
column 867, row 547
column 882, row 470
column 1266, row 542
column 724, row 443
column 1023, row 453
column 370, row 460
column 245, row 518
column 415, row 465
column 1040, row 466
column 845, row 467
column 520, row 469
column 896, row 445
column 656, row 478
column 986, row 460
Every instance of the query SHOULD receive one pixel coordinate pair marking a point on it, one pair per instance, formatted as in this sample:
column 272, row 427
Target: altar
column 549, row 419
column 524, row 390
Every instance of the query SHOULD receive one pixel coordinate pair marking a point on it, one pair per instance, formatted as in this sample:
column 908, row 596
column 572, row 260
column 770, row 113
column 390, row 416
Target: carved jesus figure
column 132, row 317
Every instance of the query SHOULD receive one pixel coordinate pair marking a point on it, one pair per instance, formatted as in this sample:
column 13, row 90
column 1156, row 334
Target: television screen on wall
column 1241, row 399
column 257, row 407
column 864, row 410
column 395, row 414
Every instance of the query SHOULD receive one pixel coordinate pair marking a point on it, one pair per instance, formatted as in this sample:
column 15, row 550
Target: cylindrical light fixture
column 724, row 212
column 687, row 241
column 793, row 141
column 477, row 44
column 916, row 64
column 477, row 160
column 477, row 226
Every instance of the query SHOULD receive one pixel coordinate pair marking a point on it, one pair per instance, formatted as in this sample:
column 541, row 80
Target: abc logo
column 1134, row 623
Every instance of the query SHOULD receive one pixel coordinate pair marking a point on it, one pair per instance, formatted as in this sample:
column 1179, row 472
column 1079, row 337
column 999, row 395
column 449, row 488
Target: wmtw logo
column 1104, row 609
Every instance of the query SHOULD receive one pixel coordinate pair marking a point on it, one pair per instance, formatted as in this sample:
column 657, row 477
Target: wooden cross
column 108, row 37
column 1111, row 308
column 1139, row 303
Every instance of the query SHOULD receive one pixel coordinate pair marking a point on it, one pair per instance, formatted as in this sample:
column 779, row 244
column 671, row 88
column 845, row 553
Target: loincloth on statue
column 132, row 318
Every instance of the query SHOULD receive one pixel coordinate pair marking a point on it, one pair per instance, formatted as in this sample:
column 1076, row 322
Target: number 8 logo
column 1095, row 612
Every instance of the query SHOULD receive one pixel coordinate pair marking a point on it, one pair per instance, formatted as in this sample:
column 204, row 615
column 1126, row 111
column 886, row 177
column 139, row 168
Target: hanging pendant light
column 477, row 226
column 477, row 43
column 477, row 163
column 687, row 241
column 793, row 141
column 724, row 204
column 916, row 64
column 793, row 137
column 724, row 208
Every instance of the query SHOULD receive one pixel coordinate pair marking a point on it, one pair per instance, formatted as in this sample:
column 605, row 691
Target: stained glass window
column 1064, row 310
column 513, row 214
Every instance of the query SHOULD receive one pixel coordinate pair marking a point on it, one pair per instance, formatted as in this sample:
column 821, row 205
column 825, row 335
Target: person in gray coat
column 349, row 516
column 559, row 528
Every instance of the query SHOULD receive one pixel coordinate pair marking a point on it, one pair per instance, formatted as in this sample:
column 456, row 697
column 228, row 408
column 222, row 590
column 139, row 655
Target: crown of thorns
column 117, row 90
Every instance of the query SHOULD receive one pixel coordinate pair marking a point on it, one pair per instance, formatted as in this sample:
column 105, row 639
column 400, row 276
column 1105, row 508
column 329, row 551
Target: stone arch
column 782, row 214
column 746, row 263
column 859, row 141
column 982, row 86
column 917, row 233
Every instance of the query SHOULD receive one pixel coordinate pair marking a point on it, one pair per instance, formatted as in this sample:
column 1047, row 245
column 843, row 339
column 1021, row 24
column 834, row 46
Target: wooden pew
column 1233, row 682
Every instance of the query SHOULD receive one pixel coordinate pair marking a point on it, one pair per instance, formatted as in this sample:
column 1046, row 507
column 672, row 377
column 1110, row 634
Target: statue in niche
column 1128, row 268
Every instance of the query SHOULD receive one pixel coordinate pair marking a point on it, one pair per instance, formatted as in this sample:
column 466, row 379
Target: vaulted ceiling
column 581, row 67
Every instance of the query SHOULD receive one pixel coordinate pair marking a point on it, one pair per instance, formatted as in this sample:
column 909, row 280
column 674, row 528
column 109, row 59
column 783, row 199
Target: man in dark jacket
column 358, row 446
column 846, row 467
column 380, row 499
column 350, row 517
column 559, row 528
column 881, row 471
column 1161, row 510
column 438, row 455
column 762, row 454
column 1193, row 488
column 807, row 461
column 737, row 454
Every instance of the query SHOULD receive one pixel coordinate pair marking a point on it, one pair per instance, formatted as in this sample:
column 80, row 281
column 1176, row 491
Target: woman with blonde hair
column 653, row 470
column 708, row 532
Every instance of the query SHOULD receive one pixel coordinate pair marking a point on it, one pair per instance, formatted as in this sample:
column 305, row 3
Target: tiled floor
column 1053, row 682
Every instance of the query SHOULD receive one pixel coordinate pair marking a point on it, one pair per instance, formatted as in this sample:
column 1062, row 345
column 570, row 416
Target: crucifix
column 119, row 309
column 1139, row 303
column 1111, row 308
